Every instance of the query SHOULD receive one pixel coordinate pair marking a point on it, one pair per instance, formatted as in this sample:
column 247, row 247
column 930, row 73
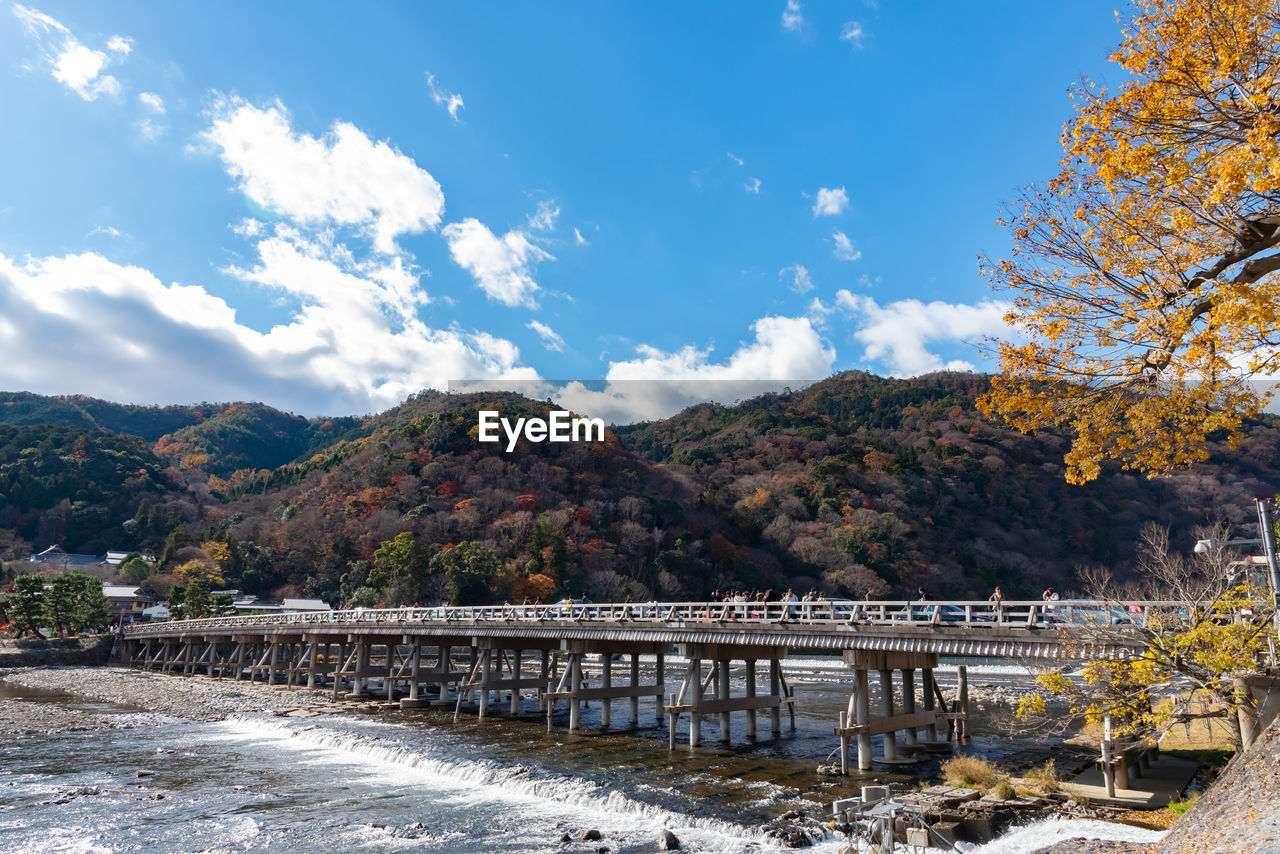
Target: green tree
column 24, row 606
column 402, row 568
column 135, row 569
column 197, row 603
column 470, row 569
column 74, row 601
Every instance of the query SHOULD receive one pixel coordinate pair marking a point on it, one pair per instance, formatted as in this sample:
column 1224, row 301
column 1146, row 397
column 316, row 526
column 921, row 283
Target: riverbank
column 85, row 651
column 158, row 694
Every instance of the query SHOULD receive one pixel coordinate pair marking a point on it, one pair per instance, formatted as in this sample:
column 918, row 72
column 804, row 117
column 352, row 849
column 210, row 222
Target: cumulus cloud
column 343, row 177
column 786, row 351
column 899, row 333
column 799, row 278
column 752, row 186
column 152, row 101
column 501, row 266
column 550, row 338
column 125, row 335
column 792, row 20
column 844, row 250
column 151, row 129
column 451, row 101
column 830, row 202
column 853, row 34
column 71, row 63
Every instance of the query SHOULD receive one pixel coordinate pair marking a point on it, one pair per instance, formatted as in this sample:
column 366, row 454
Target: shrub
column 1045, row 778
column 971, row 771
column 1004, row 790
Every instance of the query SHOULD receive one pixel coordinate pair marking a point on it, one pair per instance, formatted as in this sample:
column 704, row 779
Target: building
column 295, row 606
column 125, row 603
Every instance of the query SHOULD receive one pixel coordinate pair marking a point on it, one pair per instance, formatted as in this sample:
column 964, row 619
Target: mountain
column 855, row 483
column 149, row 422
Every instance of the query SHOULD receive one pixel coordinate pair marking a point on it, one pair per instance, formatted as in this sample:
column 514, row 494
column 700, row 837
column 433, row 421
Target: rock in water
column 590, row 835
column 667, row 841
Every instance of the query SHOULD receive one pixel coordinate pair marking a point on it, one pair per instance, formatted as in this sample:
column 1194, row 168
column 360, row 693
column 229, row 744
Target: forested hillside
column 856, row 483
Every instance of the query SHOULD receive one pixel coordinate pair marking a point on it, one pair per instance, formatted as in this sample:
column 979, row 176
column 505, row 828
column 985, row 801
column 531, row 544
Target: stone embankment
column 56, row 652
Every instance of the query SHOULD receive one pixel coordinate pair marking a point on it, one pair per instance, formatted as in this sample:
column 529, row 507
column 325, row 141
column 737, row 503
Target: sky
column 330, row 207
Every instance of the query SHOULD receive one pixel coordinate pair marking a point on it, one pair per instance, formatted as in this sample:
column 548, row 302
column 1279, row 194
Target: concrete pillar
column 909, row 701
column 544, row 676
column 486, row 673
column 927, row 691
column 575, row 680
column 516, row 655
column 695, row 699
column 862, row 716
column 751, row 692
column 775, row 690
column 275, row 662
column 444, row 664
column 722, row 693
column 415, row 668
column 661, row 681
column 890, row 749
column 391, row 669
column 634, row 717
column 962, row 725
column 606, row 705
column 313, row 662
column 362, row 667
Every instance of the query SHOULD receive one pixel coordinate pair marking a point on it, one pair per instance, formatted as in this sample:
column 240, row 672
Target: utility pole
column 1269, row 549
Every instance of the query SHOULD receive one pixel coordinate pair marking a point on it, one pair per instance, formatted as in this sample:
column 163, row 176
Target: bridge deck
column 1015, row 629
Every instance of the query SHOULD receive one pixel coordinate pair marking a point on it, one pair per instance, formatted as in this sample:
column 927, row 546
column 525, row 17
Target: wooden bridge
column 468, row 656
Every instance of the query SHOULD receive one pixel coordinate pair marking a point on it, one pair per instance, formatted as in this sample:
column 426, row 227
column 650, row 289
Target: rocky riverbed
column 192, row 699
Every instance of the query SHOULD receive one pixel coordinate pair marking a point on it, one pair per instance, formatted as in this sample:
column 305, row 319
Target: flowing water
column 417, row 782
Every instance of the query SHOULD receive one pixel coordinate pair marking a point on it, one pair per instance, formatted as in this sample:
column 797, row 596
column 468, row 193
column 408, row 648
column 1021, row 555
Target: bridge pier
column 574, row 688
column 857, row 721
column 693, row 692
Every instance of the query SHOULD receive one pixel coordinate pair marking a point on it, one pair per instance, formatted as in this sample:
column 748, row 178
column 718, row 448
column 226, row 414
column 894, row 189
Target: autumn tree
column 1216, row 634
column 1143, row 275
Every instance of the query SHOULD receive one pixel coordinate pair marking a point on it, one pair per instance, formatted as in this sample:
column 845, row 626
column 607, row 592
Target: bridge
column 469, row 656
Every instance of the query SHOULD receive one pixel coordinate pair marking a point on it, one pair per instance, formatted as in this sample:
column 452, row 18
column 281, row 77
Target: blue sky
column 329, row 209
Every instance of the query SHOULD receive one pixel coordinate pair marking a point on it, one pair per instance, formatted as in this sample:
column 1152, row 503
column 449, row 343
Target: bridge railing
column 819, row 614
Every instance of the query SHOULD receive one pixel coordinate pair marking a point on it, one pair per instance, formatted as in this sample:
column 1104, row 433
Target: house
column 55, row 558
column 295, row 606
column 155, row 614
column 125, row 603
column 253, row 605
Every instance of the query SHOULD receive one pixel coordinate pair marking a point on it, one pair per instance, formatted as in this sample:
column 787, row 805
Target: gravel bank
column 191, row 698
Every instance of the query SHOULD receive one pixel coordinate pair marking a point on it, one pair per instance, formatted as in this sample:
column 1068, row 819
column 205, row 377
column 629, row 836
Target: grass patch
column 1045, row 778
column 974, row 773
column 1004, row 790
column 1180, row 807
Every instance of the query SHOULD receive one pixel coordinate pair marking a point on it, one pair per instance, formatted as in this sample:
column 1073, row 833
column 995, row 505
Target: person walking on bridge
column 997, row 604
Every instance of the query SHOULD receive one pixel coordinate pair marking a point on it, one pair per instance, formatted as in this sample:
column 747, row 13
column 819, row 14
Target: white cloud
column 343, row 177
column 752, row 186
column 844, row 250
column 897, row 334
column 578, row 238
column 71, row 63
column 502, row 266
column 799, row 276
column 853, row 34
column 451, row 101
column 152, row 129
column 735, row 158
column 792, row 20
column 550, row 338
column 830, row 202
column 124, row 335
column 151, row 101
column 545, row 218
column 786, row 351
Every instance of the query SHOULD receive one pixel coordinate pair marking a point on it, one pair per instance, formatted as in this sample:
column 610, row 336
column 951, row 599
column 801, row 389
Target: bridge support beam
column 857, row 721
column 693, row 692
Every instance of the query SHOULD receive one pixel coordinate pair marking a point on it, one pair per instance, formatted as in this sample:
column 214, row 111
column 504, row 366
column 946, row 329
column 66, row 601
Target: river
column 415, row 781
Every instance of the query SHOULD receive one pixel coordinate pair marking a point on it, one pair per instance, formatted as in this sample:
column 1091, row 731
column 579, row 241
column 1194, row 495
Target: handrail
column 1072, row 614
